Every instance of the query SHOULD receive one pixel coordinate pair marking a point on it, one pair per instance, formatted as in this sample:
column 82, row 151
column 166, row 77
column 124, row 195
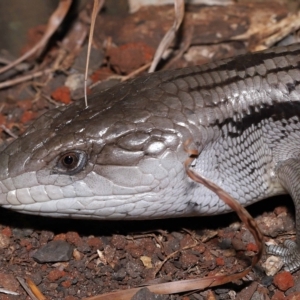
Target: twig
column 24, row 78
column 97, row 6
column 230, row 201
column 53, row 23
column 170, row 35
column 8, row 131
column 185, row 46
column 173, row 254
column 35, row 290
column 136, row 72
column 26, row 288
column 4, row 291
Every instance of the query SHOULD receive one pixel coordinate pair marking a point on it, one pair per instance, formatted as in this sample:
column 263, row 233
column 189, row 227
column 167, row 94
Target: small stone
column 77, row 255
column 272, row 265
column 9, row 282
column 146, row 260
column 134, row 250
column 284, row 281
column 46, row 236
column 96, row 58
column 22, row 233
column 238, row 244
column 280, row 210
column 54, row 251
column 188, row 260
column 177, row 235
column 4, row 241
column 66, row 284
column 55, row 275
column 133, row 268
column 294, row 296
column 60, row 237
column 186, row 242
column 220, row 261
column 229, row 253
column 235, row 226
column 225, row 244
column 119, row 275
column 36, row 277
column 96, row 243
column 73, row 238
column 257, row 296
column 6, row 231
column 270, row 226
column 118, row 241
column 247, row 237
column 267, row 280
column 278, row 295
column 252, row 247
column 75, row 81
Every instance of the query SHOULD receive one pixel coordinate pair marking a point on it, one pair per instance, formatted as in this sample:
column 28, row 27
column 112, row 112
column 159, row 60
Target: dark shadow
column 96, row 227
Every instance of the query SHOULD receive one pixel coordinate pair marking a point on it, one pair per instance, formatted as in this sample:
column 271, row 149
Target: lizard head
column 112, row 159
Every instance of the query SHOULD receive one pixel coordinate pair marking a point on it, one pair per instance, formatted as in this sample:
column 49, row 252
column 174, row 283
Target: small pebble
column 54, row 251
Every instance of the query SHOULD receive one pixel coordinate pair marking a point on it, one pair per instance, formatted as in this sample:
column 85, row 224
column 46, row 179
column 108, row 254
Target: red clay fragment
column 95, row 242
column 220, row 261
column 62, row 94
column 101, row 74
column 294, row 296
column 2, row 119
column 25, row 104
column 60, row 237
column 278, row 295
column 6, row 231
column 284, row 280
column 73, row 238
column 26, row 244
column 66, row 284
column 55, row 274
column 28, row 116
column 252, row 247
column 130, row 57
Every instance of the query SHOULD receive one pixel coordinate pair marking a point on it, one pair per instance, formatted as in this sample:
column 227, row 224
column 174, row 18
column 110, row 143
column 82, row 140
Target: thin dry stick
column 8, row 131
column 135, row 72
column 27, row 289
column 4, row 291
column 17, row 80
column 55, row 20
column 170, row 35
column 173, row 254
column 123, row 78
column 35, row 290
column 97, row 6
column 230, row 201
column 185, row 46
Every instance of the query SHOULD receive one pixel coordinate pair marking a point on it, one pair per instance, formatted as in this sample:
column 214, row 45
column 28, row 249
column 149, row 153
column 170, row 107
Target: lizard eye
column 71, row 162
